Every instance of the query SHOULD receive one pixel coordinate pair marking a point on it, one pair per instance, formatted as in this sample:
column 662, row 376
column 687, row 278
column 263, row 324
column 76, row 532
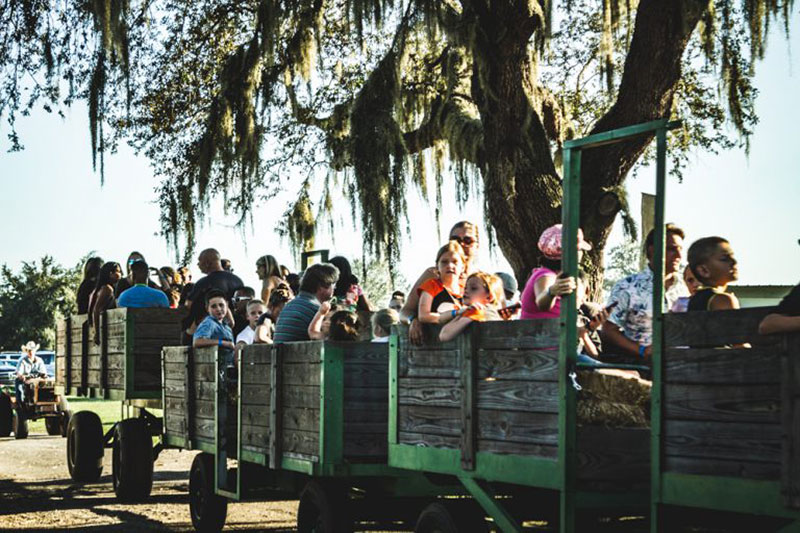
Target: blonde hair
column 385, row 319
column 454, row 247
column 493, row 285
column 253, row 302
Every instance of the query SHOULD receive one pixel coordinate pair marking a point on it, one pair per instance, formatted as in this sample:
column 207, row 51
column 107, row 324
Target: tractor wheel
column 451, row 518
column 208, row 510
column 64, row 422
column 21, row 429
column 132, row 460
column 323, row 509
column 85, row 446
column 53, row 425
column 6, row 416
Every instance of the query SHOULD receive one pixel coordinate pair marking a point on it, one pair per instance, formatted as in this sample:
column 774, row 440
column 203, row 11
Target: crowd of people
column 326, row 301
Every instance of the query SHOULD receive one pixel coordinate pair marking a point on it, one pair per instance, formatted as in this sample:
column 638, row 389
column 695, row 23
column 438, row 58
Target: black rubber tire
column 323, row 509
column 6, row 416
column 64, row 422
column 21, row 429
column 85, row 447
column 53, row 425
column 132, row 460
column 461, row 516
column 207, row 509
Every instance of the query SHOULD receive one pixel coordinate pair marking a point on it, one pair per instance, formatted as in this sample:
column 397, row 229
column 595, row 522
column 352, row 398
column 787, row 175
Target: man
column 210, row 263
column 140, row 295
column 316, row 287
column 397, row 301
column 241, row 298
column 29, row 365
column 466, row 233
column 127, row 282
column 629, row 329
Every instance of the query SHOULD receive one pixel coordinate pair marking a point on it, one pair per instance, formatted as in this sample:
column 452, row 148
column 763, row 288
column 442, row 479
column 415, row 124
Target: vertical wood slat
column 86, row 338
column 469, row 412
column 275, row 408
column 790, row 413
column 189, row 400
column 104, row 357
column 68, row 356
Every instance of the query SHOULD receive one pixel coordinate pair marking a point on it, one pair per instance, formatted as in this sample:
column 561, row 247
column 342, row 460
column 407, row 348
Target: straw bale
column 613, row 398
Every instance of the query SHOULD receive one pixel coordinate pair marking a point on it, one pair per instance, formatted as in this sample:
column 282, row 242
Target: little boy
column 712, row 261
column 213, row 330
column 255, row 308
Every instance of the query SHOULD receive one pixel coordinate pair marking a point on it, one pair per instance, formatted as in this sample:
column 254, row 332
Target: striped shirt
column 294, row 319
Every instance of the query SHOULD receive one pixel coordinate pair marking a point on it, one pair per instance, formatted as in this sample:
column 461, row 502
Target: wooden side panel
column 255, row 377
column 189, row 393
column 299, row 398
column 790, row 403
column 366, row 400
column 151, row 329
column 62, row 345
column 722, row 412
column 94, row 365
column 80, row 337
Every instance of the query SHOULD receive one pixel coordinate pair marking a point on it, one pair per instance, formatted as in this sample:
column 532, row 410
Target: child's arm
column 261, row 335
column 776, row 323
column 452, row 329
column 315, row 327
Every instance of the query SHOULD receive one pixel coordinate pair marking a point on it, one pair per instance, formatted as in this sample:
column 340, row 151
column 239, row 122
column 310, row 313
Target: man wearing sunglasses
column 466, row 234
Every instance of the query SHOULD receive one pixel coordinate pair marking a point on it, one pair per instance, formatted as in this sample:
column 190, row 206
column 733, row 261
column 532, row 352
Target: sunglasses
column 238, row 299
column 464, row 240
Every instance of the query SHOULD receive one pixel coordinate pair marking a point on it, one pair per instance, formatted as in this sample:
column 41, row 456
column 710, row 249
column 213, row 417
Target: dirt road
column 37, row 493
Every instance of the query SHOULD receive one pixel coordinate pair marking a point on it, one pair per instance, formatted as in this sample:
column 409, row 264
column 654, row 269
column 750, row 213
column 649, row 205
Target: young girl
column 382, row 323
column 481, row 299
column 102, row 297
column 440, row 296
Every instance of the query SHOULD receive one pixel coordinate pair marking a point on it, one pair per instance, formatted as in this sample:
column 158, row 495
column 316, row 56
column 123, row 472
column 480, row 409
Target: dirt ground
column 37, row 493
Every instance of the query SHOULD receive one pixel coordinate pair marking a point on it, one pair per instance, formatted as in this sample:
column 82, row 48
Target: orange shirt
column 481, row 315
column 440, row 293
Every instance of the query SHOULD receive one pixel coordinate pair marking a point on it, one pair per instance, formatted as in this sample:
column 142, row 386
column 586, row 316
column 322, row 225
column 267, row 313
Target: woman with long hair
column 90, row 271
column 348, row 292
column 269, row 272
column 102, row 297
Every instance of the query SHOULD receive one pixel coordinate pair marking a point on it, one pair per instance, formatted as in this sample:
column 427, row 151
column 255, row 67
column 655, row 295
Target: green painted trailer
column 300, row 420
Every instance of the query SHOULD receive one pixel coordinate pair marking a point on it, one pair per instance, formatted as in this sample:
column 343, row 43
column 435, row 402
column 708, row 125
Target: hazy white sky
column 54, row 204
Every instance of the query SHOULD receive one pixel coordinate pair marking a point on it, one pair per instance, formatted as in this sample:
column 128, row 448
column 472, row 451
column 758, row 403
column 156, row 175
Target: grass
column 109, row 411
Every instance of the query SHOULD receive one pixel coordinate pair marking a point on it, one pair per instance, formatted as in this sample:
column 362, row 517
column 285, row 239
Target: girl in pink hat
column 541, row 297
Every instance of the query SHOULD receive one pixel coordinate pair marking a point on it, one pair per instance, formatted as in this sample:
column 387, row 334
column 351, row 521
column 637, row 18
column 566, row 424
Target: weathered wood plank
column 723, row 403
column 255, row 394
column 202, row 371
column 177, row 406
column 365, row 445
column 708, row 466
column 427, row 420
column 618, row 454
column 717, row 328
column 502, row 447
column 513, row 395
column 301, row 396
column 301, row 352
column 759, row 365
column 257, row 374
column 439, row 392
column 256, row 436
column 426, row 363
column 255, row 415
column 366, row 396
column 517, row 334
column 301, row 373
column 176, row 354
column 517, row 426
column 304, row 442
column 790, row 421
column 175, row 388
column 428, row 440
column 533, row 365
column 294, row 418
column 366, row 375
column 258, row 354
column 720, row 440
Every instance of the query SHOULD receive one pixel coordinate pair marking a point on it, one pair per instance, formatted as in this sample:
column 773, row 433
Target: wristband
column 453, row 313
column 220, row 342
column 411, row 318
column 642, row 348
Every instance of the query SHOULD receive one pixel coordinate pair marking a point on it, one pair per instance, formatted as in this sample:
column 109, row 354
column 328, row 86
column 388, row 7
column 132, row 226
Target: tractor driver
column 29, row 365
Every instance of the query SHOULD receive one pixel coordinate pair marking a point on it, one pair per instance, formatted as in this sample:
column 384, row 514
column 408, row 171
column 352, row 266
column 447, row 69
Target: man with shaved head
column 210, row 263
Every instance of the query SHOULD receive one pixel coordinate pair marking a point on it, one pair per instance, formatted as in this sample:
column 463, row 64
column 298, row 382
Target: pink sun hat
column 550, row 242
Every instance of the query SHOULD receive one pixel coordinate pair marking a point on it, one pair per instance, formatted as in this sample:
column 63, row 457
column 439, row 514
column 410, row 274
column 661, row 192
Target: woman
column 347, row 292
column 541, row 297
column 90, row 271
column 269, row 272
column 102, row 297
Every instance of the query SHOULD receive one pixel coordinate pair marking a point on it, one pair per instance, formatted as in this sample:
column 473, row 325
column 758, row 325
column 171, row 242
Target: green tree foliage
column 370, row 97
column 32, row 299
column 623, row 260
column 376, row 281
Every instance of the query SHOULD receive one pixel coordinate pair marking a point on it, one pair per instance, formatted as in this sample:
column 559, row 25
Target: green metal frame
column 531, row 471
column 221, row 486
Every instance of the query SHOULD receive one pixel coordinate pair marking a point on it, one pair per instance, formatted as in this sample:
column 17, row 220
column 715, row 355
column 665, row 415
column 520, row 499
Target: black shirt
column 790, row 305
column 84, row 292
column 221, row 280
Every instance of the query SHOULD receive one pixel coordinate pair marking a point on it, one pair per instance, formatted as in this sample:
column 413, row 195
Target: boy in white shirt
column 255, row 308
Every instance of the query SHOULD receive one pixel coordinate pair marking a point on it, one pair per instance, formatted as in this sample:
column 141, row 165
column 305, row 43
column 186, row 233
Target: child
column 440, row 296
column 316, row 332
column 681, row 305
column 345, row 326
column 481, row 299
column 712, row 262
column 255, row 308
column 213, row 330
column 382, row 323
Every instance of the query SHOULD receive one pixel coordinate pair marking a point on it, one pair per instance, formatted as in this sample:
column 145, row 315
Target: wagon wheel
column 323, row 509
column 132, row 460
column 21, row 429
column 208, row 510
column 64, row 422
column 439, row 517
column 53, row 425
column 85, row 446
column 6, row 416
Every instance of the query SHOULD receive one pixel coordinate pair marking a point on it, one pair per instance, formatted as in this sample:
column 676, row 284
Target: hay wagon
column 124, row 366
column 303, row 420
column 726, row 424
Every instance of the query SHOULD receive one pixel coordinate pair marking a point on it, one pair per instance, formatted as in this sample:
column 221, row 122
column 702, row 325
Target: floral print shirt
column 634, row 311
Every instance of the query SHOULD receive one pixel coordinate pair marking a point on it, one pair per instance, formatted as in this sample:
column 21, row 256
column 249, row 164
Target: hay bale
column 613, row 398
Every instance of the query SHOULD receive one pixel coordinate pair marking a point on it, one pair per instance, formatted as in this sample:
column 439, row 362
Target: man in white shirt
column 29, row 365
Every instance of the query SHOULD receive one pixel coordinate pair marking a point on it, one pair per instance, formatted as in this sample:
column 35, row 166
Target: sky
column 54, row 202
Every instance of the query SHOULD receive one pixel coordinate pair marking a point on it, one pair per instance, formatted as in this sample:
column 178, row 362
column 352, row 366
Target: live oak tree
column 368, row 98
